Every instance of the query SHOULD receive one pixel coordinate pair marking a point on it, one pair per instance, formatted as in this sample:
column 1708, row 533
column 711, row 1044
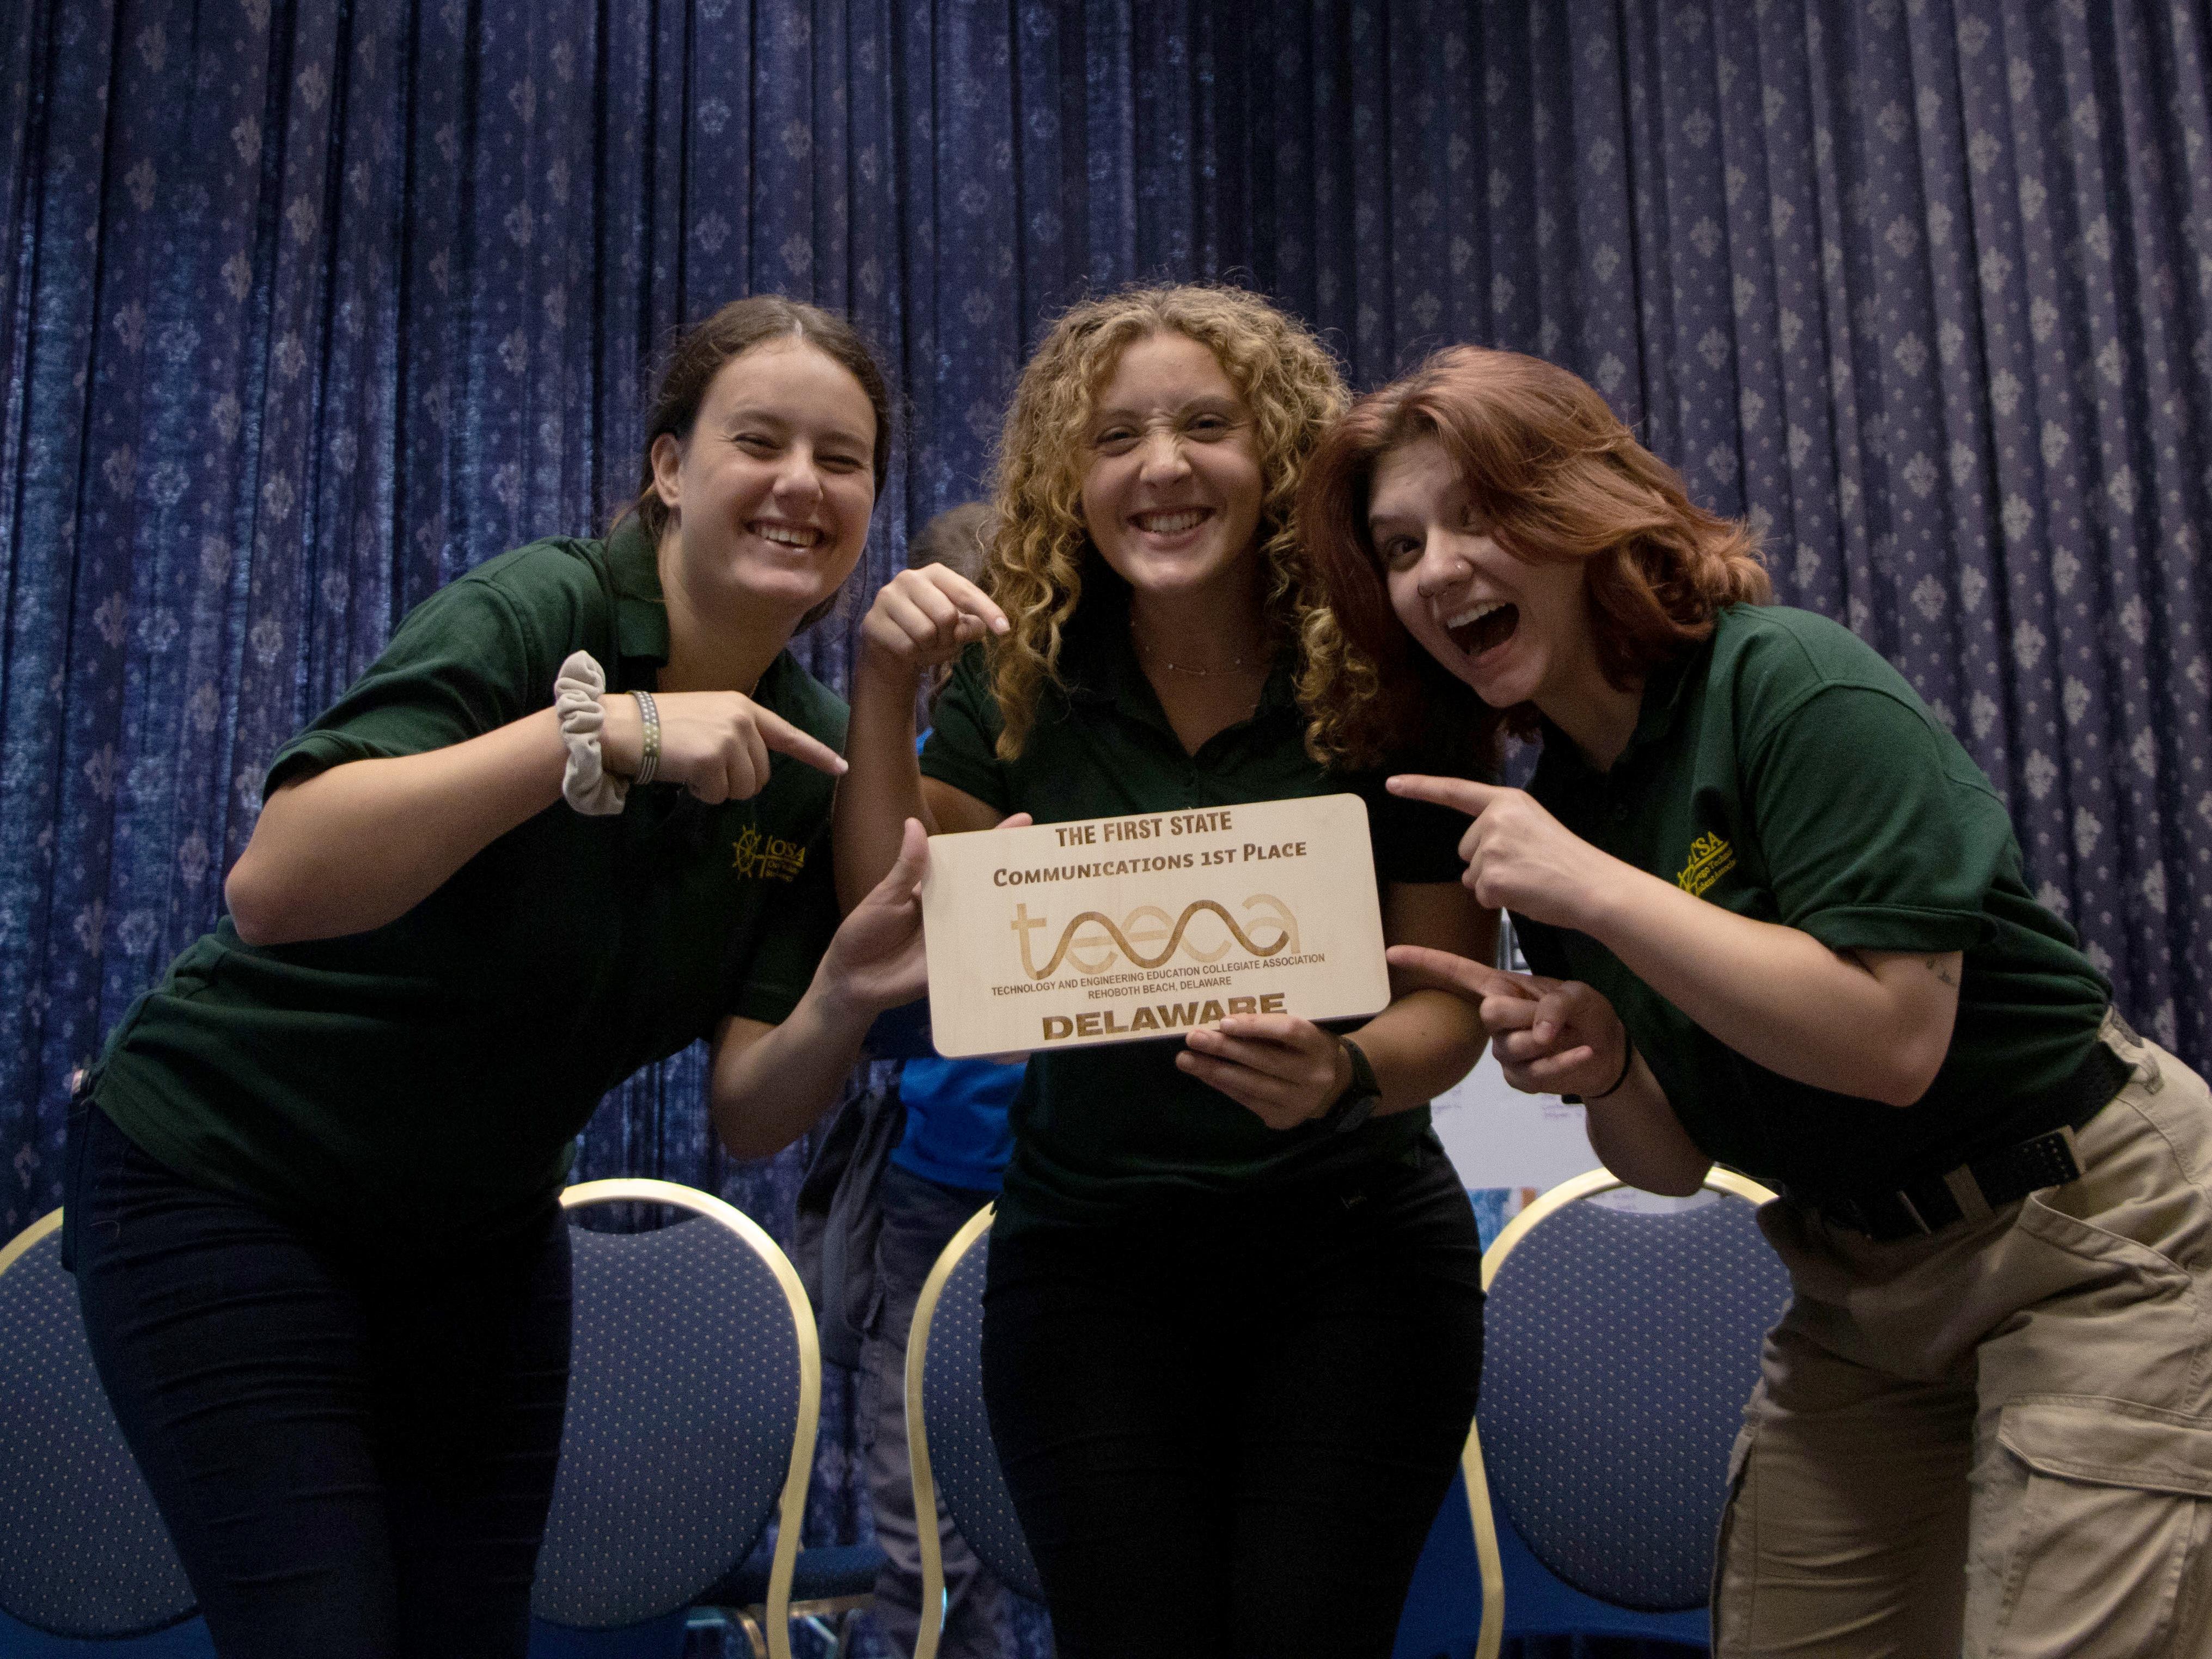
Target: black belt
column 1992, row 1179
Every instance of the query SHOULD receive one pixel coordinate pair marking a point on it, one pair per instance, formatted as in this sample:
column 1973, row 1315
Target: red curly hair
column 1554, row 474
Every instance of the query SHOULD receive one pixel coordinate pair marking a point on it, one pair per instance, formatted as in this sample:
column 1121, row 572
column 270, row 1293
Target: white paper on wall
column 1498, row 1137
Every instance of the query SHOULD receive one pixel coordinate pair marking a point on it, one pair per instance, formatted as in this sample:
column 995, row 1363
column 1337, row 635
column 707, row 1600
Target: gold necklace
column 1143, row 650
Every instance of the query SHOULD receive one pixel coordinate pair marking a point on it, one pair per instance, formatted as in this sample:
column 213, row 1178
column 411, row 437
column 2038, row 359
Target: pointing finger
column 1441, row 971
column 939, row 614
column 781, row 735
column 1461, row 794
column 972, row 601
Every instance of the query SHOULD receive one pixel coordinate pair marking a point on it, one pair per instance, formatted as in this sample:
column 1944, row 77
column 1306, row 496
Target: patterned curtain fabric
column 307, row 307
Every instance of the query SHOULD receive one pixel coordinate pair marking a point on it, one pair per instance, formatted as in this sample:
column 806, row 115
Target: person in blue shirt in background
column 946, row 1166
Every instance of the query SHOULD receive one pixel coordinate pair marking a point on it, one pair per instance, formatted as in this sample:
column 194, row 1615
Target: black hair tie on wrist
column 1627, row 1062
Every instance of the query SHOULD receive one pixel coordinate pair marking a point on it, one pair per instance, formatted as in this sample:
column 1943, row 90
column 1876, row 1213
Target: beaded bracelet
column 648, row 756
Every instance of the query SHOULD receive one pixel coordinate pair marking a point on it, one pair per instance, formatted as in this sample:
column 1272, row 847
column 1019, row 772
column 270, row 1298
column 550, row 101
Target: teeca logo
column 1148, row 924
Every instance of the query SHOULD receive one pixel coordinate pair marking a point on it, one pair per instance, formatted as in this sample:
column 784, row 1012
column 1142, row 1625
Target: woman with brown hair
column 1232, row 1330
column 1778, row 921
column 574, row 819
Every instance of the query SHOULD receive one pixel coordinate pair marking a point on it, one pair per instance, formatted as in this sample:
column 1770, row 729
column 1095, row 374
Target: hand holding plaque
column 1123, row 929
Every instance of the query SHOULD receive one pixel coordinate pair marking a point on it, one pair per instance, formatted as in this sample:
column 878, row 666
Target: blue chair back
column 694, row 1396
column 1620, row 1348
column 948, row 1433
column 83, row 1552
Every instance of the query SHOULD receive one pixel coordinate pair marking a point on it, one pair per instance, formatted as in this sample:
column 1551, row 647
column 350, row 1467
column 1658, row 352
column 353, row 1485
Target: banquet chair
column 84, row 1556
column 829, row 1583
column 948, row 1435
column 694, row 1395
column 1620, row 1348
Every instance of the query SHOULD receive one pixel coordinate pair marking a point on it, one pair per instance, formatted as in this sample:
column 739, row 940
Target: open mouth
column 1174, row 523
column 1483, row 627
column 786, row 535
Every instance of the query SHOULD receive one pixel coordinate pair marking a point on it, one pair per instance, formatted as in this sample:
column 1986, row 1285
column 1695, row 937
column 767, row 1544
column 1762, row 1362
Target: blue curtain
column 307, row 307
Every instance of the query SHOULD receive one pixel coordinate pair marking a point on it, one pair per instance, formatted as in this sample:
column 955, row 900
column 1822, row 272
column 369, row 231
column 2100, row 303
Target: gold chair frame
column 19, row 1246
column 1548, row 1203
column 917, row 1437
column 767, row 1625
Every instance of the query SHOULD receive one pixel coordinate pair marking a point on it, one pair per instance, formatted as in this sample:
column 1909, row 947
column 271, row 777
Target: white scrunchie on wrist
column 587, row 785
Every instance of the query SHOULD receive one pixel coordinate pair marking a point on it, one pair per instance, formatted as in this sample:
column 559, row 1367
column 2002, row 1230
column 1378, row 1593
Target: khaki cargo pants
column 1997, row 1440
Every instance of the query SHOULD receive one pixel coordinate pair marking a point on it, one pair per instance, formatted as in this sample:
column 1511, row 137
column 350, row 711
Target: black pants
column 1227, row 1429
column 355, row 1458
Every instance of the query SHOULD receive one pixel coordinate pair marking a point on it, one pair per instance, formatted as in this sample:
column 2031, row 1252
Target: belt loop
column 2132, row 1052
column 1968, row 1192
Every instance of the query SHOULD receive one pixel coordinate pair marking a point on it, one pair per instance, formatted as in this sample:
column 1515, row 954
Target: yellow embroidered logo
column 1710, row 858
column 768, row 855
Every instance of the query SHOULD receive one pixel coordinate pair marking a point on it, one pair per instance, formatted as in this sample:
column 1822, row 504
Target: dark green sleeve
column 964, row 727
column 1877, row 831
column 1415, row 841
column 463, row 663
column 1541, row 950
column 793, row 932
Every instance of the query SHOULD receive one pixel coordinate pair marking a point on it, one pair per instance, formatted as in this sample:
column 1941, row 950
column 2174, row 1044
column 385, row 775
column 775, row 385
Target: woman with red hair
column 1778, row 921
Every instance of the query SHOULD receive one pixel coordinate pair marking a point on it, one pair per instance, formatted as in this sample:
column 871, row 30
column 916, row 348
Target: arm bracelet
column 648, row 753
column 1627, row 1063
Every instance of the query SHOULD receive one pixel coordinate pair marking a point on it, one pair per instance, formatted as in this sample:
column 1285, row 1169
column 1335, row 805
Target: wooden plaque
column 1126, row 929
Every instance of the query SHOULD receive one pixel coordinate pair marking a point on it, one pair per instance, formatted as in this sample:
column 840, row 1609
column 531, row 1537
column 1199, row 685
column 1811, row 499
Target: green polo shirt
column 426, row 1079
column 1784, row 771
column 1100, row 1132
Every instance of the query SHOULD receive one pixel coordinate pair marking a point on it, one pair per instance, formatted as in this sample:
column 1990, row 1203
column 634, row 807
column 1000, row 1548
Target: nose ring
column 1466, row 570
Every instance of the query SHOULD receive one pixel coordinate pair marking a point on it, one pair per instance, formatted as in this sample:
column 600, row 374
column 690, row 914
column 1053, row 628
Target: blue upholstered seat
column 1620, row 1350
column 83, row 1554
column 693, row 1400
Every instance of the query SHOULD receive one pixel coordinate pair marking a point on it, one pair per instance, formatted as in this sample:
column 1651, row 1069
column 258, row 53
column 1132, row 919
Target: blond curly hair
column 1291, row 384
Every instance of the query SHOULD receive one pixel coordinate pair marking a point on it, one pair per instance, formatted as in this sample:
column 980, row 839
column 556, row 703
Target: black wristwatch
column 1357, row 1103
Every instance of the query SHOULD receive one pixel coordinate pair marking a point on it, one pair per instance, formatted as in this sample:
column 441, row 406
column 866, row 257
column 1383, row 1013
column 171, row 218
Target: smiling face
column 1517, row 630
column 771, row 494
column 1172, row 488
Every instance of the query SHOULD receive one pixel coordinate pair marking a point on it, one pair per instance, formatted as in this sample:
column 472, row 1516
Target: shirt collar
column 1656, row 713
column 1662, row 698
column 641, row 611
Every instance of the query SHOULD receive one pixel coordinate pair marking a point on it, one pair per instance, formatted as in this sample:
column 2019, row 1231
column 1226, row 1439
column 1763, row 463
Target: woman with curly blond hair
column 1233, row 1326
column 1778, row 921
